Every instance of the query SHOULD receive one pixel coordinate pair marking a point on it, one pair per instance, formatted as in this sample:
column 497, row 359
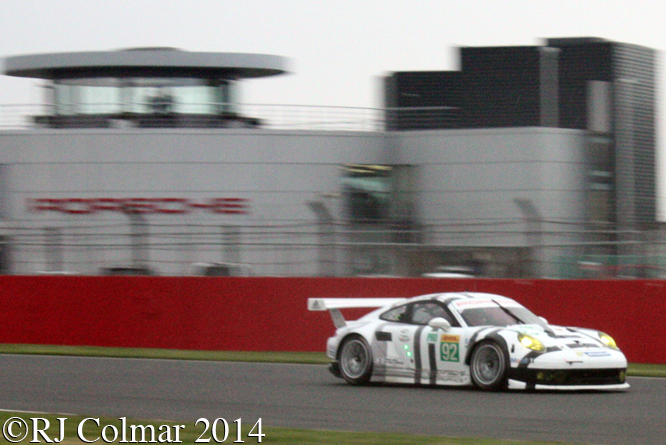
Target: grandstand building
column 527, row 162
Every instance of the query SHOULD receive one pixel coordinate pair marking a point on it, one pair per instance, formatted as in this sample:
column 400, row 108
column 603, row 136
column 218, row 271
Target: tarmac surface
column 308, row 396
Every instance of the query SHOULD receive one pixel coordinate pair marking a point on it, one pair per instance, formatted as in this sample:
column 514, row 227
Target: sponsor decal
column 390, row 361
column 598, row 354
column 529, row 329
column 485, row 302
column 165, row 206
column 450, row 338
column 449, row 349
column 432, row 337
column 466, row 303
column 451, row 376
column 383, row 336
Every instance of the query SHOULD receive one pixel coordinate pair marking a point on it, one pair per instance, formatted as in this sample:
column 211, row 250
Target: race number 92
column 449, row 351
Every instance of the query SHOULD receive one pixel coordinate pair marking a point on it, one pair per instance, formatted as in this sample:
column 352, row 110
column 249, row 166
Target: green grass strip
column 646, row 370
column 314, row 358
column 189, row 433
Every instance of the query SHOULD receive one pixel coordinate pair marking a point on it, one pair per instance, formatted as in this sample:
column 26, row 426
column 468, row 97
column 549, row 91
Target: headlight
column 530, row 342
column 608, row 340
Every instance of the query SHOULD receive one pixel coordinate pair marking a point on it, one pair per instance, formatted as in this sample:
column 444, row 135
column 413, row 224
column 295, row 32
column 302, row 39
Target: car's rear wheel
column 489, row 366
column 356, row 360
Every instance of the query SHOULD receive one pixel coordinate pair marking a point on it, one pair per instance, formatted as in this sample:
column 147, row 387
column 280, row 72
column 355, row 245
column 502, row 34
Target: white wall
column 475, row 175
column 464, row 176
column 276, row 171
column 470, row 181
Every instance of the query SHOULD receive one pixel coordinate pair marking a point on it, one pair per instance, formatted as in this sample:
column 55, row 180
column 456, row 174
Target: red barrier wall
column 270, row 314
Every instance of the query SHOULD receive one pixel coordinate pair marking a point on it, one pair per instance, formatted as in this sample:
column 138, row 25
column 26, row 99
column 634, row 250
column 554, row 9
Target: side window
column 426, row 311
column 396, row 314
column 419, row 313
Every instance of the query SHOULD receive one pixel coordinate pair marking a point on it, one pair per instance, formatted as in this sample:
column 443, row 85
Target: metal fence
column 334, row 249
column 273, row 117
column 267, row 116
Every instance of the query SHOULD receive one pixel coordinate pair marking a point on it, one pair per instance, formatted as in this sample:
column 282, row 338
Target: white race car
column 486, row 340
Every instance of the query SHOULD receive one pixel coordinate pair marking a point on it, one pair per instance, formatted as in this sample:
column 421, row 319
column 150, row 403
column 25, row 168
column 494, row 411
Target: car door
column 394, row 345
column 442, row 353
column 407, row 350
column 448, row 364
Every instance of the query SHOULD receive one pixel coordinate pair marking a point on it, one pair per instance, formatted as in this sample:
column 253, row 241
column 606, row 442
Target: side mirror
column 440, row 323
column 544, row 320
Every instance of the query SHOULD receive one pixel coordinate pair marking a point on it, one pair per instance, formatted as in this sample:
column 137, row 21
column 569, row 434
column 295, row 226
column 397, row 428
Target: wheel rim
column 354, row 359
column 488, row 364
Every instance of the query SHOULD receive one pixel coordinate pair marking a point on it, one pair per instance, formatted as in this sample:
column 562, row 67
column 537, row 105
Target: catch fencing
column 306, row 248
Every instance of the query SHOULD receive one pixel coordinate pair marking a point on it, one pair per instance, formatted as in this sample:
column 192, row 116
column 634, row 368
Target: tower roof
column 145, row 61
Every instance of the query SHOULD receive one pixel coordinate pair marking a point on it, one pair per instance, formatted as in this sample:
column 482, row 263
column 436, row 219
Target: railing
column 490, row 249
column 20, row 117
column 278, row 117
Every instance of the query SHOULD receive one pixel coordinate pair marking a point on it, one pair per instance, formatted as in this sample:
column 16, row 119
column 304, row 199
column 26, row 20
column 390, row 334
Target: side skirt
column 445, row 378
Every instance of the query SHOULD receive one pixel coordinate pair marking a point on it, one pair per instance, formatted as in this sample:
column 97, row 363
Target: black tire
column 489, row 366
column 355, row 360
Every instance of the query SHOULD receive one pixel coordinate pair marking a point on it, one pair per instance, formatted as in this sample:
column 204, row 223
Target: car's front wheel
column 489, row 366
column 356, row 360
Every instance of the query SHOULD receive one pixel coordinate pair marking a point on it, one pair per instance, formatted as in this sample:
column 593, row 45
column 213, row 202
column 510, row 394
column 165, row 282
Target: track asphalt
column 308, row 396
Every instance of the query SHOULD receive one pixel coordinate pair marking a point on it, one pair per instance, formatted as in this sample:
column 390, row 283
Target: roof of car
column 447, row 297
column 462, row 295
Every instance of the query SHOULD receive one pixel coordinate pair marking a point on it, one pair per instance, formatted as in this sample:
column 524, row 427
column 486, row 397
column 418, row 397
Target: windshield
column 499, row 316
column 525, row 315
column 487, row 316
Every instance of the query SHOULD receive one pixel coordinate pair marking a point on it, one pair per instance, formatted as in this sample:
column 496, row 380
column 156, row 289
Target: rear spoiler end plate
column 333, row 305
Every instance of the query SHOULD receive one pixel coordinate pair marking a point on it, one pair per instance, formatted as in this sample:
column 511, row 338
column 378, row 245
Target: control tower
column 144, row 87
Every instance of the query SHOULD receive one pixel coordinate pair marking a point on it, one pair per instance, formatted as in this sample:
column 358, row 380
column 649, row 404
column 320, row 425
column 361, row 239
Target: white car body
column 485, row 340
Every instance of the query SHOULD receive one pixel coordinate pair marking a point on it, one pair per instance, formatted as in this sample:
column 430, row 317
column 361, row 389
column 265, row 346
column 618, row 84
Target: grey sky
column 339, row 48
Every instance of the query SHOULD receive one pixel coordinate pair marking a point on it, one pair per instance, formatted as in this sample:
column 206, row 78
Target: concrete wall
column 464, row 178
column 276, row 172
column 476, row 175
column 270, row 314
column 470, row 181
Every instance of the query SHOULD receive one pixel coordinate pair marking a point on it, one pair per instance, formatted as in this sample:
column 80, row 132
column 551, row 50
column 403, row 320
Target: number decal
column 449, row 349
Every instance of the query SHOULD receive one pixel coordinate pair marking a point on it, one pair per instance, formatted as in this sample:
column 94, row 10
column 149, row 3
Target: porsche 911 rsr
column 480, row 339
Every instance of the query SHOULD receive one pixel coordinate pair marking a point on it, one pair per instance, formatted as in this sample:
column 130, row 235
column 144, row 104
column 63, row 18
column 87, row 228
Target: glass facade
column 634, row 70
column 367, row 192
column 142, row 95
column 602, row 87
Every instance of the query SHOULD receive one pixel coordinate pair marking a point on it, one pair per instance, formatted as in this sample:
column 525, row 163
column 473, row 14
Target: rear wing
column 333, row 305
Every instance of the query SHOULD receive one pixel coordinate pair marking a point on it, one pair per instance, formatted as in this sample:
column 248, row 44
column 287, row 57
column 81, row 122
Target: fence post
column 326, row 239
